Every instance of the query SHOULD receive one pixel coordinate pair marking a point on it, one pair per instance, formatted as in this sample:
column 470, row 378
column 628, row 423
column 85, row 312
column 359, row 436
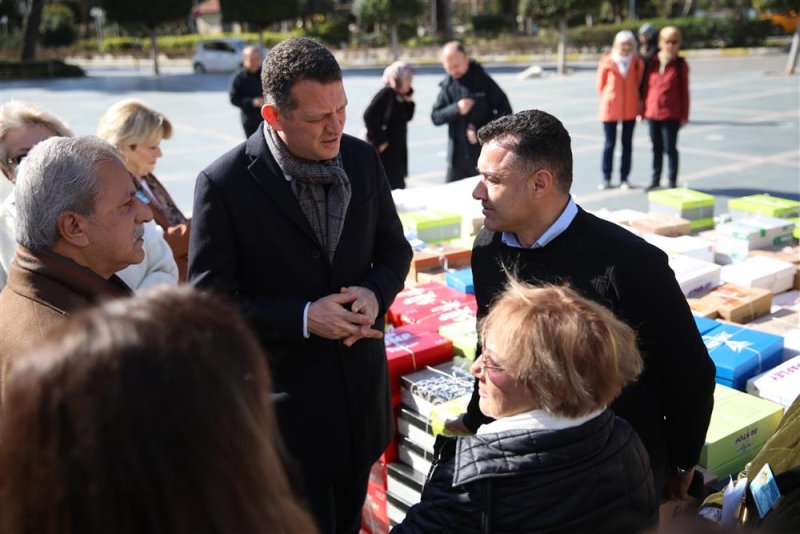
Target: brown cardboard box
column 703, row 308
column 663, row 224
column 435, row 259
column 736, row 303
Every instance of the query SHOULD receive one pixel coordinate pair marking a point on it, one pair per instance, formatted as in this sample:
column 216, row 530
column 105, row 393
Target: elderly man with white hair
column 79, row 221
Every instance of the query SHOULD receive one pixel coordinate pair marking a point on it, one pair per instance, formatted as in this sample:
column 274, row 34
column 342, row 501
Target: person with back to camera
column 468, row 98
column 22, row 126
column 128, row 419
column 245, row 92
column 619, row 76
column 387, row 118
column 666, row 103
column 555, row 459
column 137, row 131
column 648, row 41
column 534, row 226
column 298, row 226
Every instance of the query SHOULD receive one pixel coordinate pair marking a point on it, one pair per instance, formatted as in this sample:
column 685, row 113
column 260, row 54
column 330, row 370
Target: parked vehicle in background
column 218, row 55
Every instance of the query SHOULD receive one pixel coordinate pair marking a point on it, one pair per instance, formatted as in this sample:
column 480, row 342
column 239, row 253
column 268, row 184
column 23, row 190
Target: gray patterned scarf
column 322, row 189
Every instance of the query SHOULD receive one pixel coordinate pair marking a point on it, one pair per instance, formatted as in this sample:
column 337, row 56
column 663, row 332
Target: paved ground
column 744, row 135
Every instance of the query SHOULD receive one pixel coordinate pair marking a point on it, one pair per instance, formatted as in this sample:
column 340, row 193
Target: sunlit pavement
column 743, row 136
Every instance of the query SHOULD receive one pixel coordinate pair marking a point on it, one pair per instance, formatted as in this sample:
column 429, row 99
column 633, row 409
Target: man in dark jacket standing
column 468, row 99
column 298, row 226
column 245, row 91
column 534, row 228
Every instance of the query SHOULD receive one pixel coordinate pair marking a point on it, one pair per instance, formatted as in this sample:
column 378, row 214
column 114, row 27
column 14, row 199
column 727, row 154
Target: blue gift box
column 705, row 325
column 740, row 353
column 460, row 280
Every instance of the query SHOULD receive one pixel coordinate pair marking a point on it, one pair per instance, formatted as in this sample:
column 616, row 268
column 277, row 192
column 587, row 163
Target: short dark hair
column 293, row 60
column 537, row 138
column 148, row 414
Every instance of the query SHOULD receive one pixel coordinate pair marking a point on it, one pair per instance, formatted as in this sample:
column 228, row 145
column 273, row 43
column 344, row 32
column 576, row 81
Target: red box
column 423, row 300
column 374, row 517
column 408, row 351
column 454, row 313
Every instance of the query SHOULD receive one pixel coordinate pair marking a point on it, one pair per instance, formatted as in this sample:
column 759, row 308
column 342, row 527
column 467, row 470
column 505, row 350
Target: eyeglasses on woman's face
column 486, row 364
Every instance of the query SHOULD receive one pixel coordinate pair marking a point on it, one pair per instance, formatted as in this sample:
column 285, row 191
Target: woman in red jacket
column 619, row 75
column 666, row 102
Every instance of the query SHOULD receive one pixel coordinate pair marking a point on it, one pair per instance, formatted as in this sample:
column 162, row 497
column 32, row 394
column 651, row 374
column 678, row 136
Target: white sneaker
column 604, row 186
column 624, row 186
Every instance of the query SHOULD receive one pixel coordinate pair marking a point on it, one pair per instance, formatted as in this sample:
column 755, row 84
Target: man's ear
column 542, row 182
column 72, row 228
column 270, row 114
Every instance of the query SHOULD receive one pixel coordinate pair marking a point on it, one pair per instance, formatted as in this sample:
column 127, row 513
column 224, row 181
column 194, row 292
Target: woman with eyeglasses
column 665, row 91
column 23, row 125
column 555, row 459
column 137, row 130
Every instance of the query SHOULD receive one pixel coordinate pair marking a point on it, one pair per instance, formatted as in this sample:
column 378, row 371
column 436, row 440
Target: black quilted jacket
column 592, row 478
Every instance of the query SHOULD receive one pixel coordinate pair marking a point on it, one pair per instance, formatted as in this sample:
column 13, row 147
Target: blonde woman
column 555, row 459
column 666, row 102
column 137, row 131
column 619, row 75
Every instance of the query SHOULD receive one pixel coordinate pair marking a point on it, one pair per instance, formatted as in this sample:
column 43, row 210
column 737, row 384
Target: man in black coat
column 298, row 226
column 246, row 92
column 468, row 99
column 533, row 227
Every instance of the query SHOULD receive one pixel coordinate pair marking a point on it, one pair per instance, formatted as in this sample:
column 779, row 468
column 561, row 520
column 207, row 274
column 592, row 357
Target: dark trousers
column 664, row 136
column 336, row 506
column 610, row 129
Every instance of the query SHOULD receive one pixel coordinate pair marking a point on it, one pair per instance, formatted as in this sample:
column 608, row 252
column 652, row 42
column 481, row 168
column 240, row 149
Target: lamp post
column 99, row 17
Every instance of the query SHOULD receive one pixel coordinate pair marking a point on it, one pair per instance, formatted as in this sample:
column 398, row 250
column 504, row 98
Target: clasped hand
column 347, row 315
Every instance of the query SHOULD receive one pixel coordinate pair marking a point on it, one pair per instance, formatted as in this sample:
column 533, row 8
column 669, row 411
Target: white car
column 218, row 55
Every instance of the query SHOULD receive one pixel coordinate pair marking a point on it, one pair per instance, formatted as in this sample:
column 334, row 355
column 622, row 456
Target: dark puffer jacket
column 592, row 478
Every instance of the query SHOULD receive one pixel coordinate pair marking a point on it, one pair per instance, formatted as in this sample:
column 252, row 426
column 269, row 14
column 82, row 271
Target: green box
column 681, row 198
column 432, row 226
column 740, row 425
column 464, row 336
column 796, row 231
column 701, row 224
column 765, row 205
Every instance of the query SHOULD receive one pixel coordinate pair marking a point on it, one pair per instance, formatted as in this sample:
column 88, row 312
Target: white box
column 693, row 247
column 736, row 239
column 761, row 271
column 694, row 276
column 622, row 217
column 780, row 384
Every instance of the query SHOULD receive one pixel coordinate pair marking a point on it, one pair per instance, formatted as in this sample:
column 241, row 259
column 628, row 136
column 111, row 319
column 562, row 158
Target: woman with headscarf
column 619, row 75
column 386, row 119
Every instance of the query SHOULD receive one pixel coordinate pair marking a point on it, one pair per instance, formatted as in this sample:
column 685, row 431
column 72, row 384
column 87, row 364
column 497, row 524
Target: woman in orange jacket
column 618, row 77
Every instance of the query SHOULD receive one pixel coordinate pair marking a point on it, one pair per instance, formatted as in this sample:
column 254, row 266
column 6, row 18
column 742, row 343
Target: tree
column 148, row 14
column 780, row 6
column 259, row 13
column 390, row 13
column 557, row 11
column 30, row 35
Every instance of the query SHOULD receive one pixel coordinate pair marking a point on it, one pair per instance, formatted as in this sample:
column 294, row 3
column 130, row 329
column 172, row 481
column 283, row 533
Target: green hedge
column 171, row 45
column 697, row 32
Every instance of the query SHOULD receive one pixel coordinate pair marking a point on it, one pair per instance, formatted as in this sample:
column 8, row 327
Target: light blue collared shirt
column 555, row 230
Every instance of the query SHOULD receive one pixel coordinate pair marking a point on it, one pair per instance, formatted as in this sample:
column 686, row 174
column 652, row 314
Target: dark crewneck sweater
column 670, row 405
